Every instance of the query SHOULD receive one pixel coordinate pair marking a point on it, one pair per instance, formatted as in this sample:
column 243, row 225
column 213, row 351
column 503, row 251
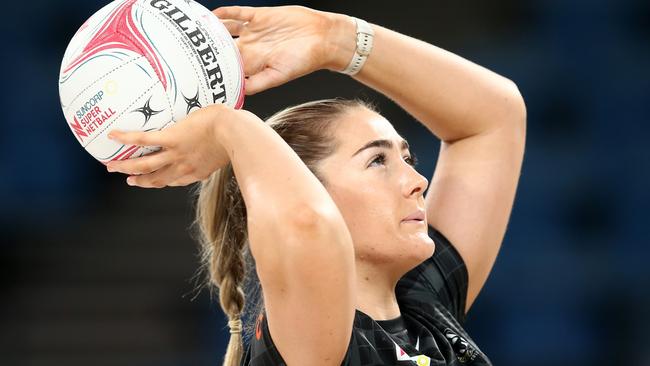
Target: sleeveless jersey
column 428, row 332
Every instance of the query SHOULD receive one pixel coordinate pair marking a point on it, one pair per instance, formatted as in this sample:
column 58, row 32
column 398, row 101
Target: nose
column 415, row 184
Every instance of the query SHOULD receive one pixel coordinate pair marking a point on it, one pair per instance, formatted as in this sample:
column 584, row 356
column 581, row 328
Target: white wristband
column 365, row 37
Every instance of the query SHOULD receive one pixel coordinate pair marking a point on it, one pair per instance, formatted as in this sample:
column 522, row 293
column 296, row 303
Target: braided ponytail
column 223, row 222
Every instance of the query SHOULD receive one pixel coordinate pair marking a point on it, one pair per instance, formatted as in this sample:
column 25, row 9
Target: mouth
column 416, row 217
column 413, row 221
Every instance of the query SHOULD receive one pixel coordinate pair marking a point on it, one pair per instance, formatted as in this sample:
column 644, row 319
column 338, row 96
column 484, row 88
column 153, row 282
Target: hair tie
column 235, row 326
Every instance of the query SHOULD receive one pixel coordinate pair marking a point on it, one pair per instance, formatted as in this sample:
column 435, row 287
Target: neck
column 376, row 292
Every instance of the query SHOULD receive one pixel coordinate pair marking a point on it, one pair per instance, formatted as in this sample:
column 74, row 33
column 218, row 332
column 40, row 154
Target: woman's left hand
column 279, row 44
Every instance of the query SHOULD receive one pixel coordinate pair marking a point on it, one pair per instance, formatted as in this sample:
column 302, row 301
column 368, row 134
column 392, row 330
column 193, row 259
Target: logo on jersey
column 258, row 327
column 464, row 351
column 420, row 360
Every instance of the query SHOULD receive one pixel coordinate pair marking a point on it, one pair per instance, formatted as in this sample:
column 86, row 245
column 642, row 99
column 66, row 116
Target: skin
column 315, row 262
column 374, row 194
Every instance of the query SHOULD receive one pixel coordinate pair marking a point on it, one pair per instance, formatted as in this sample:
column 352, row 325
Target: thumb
column 265, row 79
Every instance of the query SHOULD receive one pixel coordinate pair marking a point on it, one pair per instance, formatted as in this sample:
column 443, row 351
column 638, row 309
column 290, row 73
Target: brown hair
column 221, row 214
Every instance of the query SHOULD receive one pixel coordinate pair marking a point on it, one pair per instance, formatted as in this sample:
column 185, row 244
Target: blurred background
column 94, row 272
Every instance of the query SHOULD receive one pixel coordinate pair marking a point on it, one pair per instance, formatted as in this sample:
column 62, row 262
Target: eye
column 412, row 160
column 381, row 158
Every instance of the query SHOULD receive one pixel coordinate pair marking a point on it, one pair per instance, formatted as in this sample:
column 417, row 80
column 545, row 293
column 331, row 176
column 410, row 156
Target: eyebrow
column 386, row 144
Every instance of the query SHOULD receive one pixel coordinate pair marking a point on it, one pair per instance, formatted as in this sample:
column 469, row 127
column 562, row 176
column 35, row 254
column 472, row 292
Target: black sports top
column 428, row 332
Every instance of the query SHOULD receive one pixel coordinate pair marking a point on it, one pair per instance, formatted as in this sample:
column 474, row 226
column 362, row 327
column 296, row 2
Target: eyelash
column 412, row 160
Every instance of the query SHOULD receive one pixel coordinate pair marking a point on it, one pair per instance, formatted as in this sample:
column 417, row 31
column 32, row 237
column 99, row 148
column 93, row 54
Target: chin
column 425, row 249
column 417, row 250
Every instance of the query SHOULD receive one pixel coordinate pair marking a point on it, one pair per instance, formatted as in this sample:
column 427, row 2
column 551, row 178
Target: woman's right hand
column 279, row 44
column 191, row 149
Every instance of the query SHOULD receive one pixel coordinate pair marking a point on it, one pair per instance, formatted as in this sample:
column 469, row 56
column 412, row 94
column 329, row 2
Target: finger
column 252, row 60
column 140, row 138
column 158, row 179
column 242, row 13
column 234, row 27
column 142, row 165
column 265, row 79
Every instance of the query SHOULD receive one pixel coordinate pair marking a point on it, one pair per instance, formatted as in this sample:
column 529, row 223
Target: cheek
column 371, row 226
column 363, row 211
column 369, row 214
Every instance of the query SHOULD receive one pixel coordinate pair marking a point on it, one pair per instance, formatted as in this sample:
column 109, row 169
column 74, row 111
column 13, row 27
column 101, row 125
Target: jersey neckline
column 392, row 326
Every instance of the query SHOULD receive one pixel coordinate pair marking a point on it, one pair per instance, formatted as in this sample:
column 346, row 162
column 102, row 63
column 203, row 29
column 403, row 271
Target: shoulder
column 437, row 333
column 260, row 350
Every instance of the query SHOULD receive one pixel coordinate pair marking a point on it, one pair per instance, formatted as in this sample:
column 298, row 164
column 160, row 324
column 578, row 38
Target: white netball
column 143, row 65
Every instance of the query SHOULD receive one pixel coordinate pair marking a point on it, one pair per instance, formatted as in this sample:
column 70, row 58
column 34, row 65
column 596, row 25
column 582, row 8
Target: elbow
column 516, row 104
column 312, row 234
column 305, row 218
column 515, row 107
column 306, row 221
column 503, row 111
column 286, row 245
column 301, row 220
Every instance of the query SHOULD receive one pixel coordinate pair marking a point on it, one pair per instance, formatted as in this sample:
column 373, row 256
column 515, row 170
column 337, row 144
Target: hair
column 221, row 215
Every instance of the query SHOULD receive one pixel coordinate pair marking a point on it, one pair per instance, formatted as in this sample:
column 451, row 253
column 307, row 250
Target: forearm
column 452, row 96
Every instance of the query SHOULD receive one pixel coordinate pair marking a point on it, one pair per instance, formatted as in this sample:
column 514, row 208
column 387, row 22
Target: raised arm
column 478, row 115
column 480, row 118
column 300, row 242
column 301, row 245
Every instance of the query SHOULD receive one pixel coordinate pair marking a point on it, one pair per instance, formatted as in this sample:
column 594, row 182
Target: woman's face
column 375, row 189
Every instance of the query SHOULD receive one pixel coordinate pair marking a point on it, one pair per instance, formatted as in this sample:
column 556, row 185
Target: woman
column 325, row 197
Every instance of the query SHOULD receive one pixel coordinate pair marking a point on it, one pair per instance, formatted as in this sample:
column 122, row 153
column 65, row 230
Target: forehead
column 360, row 126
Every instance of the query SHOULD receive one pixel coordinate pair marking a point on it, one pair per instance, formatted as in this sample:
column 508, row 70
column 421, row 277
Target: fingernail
column 129, row 181
column 110, row 136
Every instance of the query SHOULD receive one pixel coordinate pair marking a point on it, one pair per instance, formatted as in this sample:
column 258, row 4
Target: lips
column 417, row 215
